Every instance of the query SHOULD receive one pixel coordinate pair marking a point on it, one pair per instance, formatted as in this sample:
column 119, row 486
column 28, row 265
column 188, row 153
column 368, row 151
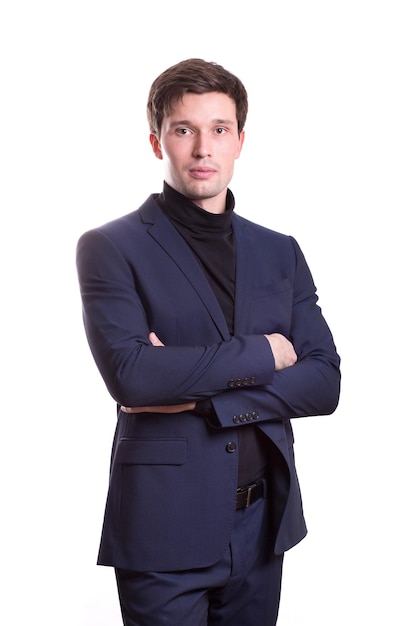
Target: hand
column 169, row 408
column 283, row 351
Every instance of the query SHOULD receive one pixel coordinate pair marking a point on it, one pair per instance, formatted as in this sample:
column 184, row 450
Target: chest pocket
column 271, row 308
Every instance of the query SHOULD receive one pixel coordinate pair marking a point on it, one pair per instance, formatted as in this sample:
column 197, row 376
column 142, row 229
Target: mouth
column 202, row 173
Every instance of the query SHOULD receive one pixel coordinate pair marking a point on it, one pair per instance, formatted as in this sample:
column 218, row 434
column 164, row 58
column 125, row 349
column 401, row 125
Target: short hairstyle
column 193, row 76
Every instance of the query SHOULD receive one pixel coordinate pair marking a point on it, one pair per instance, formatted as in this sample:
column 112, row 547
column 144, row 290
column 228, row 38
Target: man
column 206, row 330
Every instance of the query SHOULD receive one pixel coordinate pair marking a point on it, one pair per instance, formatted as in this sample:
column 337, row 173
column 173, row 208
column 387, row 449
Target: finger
column 154, row 339
column 135, row 409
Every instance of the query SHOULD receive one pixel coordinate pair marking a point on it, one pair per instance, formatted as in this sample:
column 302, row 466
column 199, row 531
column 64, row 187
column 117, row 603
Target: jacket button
column 231, row 446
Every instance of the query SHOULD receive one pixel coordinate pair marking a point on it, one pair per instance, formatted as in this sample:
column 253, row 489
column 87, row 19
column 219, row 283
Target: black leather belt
column 245, row 496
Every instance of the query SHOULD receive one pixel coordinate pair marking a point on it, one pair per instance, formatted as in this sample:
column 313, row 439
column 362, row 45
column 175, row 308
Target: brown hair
column 193, row 76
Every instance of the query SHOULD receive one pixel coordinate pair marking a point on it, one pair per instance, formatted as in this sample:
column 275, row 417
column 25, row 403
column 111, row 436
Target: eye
column 220, row 130
column 182, row 131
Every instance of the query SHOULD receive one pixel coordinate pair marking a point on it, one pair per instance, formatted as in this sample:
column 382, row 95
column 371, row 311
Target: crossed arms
column 282, row 350
column 295, row 372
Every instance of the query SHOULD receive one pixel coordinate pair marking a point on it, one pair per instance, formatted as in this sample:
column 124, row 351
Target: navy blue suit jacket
column 172, row 486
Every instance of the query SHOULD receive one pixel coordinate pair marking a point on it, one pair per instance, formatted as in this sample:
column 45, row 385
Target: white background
column 330, row 157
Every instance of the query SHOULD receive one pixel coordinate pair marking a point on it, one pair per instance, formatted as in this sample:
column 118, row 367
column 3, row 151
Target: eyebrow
column 215, row 121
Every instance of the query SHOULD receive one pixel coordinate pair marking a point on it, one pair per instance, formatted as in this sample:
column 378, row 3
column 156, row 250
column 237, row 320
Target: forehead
column 204, row 107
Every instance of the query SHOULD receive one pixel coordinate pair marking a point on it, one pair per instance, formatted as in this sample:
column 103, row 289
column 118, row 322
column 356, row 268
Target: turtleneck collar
column 192, row 217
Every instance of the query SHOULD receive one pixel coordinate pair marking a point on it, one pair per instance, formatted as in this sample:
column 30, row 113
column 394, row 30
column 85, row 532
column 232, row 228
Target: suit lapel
column 244, row 275
column 171, row 241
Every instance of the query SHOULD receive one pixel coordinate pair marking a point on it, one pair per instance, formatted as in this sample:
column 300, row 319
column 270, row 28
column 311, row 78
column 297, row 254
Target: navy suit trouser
column 242, row 589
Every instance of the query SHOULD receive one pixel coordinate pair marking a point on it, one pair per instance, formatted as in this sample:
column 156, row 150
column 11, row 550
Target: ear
column 240, row 145
column 156, row 146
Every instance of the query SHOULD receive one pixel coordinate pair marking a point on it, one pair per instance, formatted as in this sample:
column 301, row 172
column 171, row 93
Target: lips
column 202, row 172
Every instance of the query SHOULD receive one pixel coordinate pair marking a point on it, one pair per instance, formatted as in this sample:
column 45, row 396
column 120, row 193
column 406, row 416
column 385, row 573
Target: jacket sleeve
column 135, row 372
column 311, row 386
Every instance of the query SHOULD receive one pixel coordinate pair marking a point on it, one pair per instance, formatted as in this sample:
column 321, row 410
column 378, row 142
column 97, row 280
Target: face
column 199, row 143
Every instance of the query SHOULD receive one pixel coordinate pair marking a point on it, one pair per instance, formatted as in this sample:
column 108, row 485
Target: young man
column 206, row 330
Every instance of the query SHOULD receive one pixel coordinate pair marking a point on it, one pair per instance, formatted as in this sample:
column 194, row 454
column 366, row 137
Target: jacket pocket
column 271, row 289
column 151, row 451
column 271, row 309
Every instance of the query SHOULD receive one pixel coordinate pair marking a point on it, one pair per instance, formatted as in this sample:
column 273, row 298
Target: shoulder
column 127, row 226
column 268, row 246
column 147, row 212
column 246, row 228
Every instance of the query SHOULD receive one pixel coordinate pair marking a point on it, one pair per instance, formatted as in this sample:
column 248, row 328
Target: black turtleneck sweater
column 210, row 237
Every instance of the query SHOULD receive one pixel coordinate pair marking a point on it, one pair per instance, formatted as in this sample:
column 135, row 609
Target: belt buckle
column 249, row 494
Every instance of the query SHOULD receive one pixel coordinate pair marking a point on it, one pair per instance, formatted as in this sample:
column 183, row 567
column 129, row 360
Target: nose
column 202, row 146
